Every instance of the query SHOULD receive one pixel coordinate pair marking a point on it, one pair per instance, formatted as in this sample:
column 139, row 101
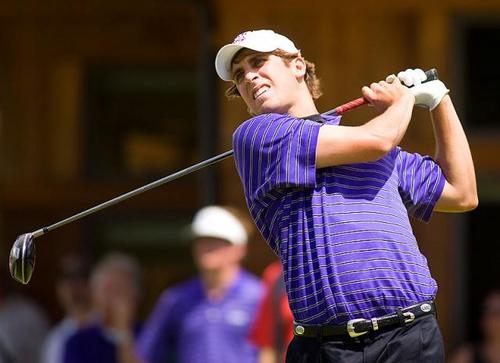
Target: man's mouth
column 260, row 92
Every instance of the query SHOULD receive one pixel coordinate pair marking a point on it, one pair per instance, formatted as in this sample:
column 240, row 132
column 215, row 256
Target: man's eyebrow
column 242, row 54
column 249, row 55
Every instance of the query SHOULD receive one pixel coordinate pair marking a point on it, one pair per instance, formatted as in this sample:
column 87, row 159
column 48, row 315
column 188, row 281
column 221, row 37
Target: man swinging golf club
column 334, row 202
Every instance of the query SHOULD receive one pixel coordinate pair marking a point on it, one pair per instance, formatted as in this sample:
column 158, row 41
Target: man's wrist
column 406, row 100
column 444, row 101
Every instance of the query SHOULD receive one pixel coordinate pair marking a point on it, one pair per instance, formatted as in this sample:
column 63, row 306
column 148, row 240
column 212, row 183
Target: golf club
column 22, row 253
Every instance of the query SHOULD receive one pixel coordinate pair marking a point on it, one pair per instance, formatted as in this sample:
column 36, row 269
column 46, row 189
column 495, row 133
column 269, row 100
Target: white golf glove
column 428, row 94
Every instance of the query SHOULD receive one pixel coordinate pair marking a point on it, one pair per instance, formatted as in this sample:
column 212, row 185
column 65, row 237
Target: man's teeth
column 259, row 92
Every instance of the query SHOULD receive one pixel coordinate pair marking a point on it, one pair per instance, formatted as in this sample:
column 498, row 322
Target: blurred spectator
column 115, row 288
column 272, row 328
column 487, row 350
column 23, row 327
column 207, row 318
column 73, row 295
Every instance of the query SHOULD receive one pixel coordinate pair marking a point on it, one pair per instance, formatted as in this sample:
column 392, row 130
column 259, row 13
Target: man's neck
column 304, row 107
column 217, row 282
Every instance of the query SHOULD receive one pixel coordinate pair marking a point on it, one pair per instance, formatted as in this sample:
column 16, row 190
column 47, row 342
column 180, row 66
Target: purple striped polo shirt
column 342, row 233
column 188, row 327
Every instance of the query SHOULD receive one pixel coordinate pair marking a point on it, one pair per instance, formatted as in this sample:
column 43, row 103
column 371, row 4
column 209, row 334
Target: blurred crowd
column 223, row 314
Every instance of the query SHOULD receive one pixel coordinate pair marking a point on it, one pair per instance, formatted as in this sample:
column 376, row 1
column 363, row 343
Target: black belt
column 356, row 327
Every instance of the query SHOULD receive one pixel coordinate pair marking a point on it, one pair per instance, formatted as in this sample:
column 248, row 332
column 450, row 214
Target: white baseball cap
column 217, row 222
column 258, row 40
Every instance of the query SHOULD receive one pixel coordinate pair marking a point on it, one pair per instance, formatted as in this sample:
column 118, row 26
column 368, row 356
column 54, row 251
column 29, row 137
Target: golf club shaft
column 134, row 192
column 336, row 111
column 431, row 75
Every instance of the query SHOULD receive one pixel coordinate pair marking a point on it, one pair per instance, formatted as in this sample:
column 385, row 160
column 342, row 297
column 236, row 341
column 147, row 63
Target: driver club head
column 22, row 258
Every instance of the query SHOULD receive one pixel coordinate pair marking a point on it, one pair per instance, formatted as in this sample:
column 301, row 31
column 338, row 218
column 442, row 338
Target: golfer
column 334, row 201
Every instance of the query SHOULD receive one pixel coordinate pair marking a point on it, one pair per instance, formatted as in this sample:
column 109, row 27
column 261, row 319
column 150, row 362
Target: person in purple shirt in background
column 72, row 290
column 334, row 201
column 207, row 318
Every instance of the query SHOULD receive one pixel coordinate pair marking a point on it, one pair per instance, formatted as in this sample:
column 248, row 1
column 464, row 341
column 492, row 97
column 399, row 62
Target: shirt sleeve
column 155, row 342
column 50, row 348
column 421, row 183
column 275, row 151
column 69, row 351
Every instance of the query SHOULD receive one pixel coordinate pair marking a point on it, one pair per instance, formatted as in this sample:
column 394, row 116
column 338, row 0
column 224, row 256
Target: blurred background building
column 100, row 97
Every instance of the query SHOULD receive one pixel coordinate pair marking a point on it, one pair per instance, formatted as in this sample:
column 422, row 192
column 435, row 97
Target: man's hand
column 122, row 312
column 383, row 94
column 428, row 94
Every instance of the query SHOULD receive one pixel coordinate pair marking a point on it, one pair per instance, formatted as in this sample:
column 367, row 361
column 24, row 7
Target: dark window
column 140, row 121
column 480, row 54
column 482, row 256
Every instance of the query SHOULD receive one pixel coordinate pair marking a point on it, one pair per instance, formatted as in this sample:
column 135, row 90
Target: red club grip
column 431, row 74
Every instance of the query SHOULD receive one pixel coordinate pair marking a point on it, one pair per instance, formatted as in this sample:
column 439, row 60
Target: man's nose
column 251, row 75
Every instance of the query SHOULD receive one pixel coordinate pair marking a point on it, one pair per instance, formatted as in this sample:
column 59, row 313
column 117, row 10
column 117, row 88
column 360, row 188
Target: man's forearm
column 339, row 145
column 393, row 123
column 453, row 152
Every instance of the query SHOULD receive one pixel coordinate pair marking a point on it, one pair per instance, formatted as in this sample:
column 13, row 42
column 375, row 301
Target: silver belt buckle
column 350, row 328
column 409, row 317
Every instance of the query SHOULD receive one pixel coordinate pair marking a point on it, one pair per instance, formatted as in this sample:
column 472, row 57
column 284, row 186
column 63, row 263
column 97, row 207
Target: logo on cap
column 240, row 38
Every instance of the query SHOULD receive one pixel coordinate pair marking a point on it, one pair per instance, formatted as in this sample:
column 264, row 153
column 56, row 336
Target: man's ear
column 300, row 67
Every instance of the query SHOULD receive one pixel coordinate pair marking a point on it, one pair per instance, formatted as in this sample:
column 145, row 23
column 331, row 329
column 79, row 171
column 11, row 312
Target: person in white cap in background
column 207, row 318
